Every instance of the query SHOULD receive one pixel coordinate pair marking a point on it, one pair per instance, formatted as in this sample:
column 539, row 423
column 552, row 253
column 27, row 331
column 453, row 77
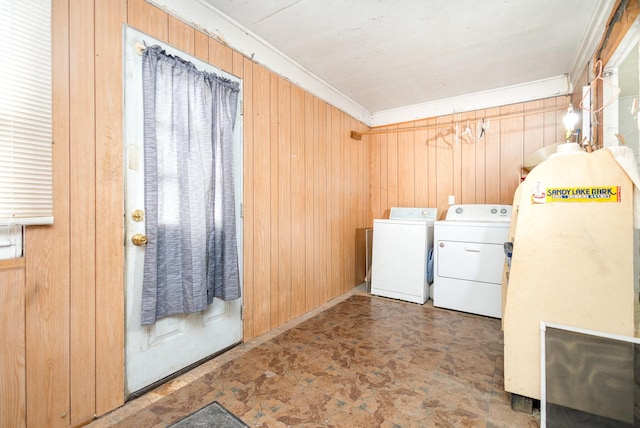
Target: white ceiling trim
column 221, row 27
column 480, row 100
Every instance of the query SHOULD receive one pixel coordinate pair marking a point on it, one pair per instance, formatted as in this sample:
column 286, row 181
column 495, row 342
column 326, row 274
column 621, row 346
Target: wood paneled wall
column 423, row 167
column 12, row 346
column 305, row 193
column 307, row 188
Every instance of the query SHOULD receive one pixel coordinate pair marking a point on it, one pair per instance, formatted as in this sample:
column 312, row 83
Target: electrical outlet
column 452, row 199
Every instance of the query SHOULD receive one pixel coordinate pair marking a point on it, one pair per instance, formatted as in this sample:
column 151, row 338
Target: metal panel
column 590, row 380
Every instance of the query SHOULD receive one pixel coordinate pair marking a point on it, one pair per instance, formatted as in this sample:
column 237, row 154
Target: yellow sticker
column 583, row 194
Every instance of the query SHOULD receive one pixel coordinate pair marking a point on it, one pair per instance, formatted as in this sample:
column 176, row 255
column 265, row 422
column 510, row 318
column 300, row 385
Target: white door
column 173, row 343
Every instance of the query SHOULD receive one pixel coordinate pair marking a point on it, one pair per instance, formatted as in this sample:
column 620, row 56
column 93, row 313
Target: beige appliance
column 572, row 261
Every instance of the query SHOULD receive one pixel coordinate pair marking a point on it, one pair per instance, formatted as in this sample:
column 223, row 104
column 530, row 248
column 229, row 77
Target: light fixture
column 570, row 120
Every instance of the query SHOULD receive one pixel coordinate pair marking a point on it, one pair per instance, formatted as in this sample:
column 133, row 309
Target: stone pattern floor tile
column 364, row 361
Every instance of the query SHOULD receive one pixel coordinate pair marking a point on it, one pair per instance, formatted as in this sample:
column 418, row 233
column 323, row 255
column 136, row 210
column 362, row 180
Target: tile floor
column 358, row 361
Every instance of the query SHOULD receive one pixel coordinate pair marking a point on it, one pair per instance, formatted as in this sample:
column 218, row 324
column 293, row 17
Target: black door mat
column 212, row 415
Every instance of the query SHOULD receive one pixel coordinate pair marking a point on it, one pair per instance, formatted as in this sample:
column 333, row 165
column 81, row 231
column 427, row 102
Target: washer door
column 399, row 260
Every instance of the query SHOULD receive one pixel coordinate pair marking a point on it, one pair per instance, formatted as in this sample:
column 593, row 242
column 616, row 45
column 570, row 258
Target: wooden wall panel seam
column 47, row 267
column 109, row 324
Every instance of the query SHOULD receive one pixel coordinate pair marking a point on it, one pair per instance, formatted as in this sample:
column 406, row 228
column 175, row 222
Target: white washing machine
column 469, row 258
column 401, row 248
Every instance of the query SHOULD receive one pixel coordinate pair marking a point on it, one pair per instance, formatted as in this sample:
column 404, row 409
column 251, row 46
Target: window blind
column 26, row 195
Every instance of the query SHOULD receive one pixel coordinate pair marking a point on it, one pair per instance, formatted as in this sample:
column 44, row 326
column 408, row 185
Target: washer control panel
column 410, row 213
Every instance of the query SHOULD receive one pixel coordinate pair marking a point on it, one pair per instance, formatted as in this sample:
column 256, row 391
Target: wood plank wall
column 12, row 345
column 307, row 188
column 423, row 167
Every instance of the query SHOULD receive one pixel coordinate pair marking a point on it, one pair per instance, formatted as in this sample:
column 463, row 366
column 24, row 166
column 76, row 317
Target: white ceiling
column 390, row 54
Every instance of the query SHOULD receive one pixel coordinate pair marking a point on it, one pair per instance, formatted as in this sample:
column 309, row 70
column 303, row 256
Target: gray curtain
column 191, row 255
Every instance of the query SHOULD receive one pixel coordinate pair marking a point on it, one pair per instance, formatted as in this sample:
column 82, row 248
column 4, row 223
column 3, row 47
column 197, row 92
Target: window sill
column 17, row 263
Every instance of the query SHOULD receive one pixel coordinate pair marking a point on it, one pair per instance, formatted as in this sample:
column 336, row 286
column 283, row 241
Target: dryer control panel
column 479, row 212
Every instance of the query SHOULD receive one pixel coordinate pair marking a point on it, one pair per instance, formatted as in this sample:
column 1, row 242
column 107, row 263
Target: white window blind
column 26, row 195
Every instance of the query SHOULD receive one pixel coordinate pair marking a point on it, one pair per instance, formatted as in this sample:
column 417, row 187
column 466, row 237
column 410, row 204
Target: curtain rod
column 358, row 135
column 140, row 48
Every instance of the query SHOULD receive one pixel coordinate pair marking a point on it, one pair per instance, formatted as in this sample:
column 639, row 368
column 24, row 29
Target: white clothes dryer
column 402, row 245
column 469, row 258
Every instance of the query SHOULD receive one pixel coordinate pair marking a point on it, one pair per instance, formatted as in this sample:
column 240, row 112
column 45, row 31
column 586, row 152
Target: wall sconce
column 570, row 120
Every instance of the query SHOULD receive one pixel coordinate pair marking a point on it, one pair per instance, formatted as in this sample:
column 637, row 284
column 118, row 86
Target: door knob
column 139, row 239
